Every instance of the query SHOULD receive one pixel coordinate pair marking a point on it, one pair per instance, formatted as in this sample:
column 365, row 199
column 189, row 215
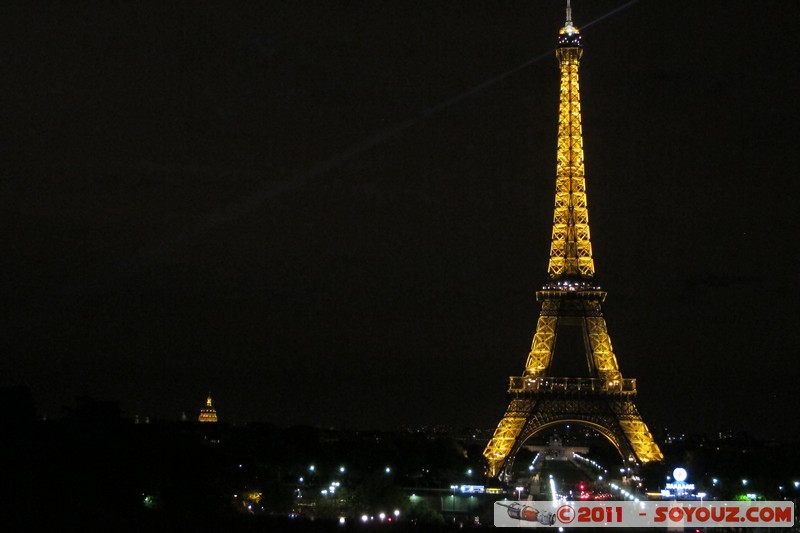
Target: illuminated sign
column 680, row 486
column 680, row 475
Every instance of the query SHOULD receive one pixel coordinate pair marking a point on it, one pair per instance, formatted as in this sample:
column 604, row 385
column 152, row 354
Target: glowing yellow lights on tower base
column 208, row 413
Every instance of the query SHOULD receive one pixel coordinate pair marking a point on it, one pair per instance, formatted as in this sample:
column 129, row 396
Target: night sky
column 338, row 213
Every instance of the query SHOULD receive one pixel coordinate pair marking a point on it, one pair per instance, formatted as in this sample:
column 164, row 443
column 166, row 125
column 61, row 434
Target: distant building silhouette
column 208, row 413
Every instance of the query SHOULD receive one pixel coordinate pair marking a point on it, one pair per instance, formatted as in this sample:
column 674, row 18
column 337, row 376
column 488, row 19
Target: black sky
column 325, row 213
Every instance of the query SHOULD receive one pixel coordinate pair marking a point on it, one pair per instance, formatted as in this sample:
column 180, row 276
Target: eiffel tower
column 571, row 304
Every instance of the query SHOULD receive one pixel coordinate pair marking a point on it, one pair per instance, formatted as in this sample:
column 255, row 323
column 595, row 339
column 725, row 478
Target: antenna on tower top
column 568, row 27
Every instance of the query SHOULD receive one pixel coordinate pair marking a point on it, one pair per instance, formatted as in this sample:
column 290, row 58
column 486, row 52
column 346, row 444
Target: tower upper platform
column 569, row 36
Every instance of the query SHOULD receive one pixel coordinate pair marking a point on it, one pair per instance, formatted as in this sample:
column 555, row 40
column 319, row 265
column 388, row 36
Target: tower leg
column 505, row 435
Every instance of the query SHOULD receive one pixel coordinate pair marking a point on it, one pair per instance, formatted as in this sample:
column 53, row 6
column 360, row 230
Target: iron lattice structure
column 571, row 300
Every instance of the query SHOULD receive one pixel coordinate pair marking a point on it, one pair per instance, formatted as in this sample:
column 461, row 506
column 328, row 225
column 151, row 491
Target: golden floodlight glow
column 208, row 413
column 571, row 298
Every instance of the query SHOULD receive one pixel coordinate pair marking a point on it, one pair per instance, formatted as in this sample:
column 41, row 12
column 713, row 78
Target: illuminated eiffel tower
column 571, row 305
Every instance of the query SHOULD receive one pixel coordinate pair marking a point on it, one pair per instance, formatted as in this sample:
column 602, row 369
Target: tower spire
column 570, row 248
column 568, row 23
